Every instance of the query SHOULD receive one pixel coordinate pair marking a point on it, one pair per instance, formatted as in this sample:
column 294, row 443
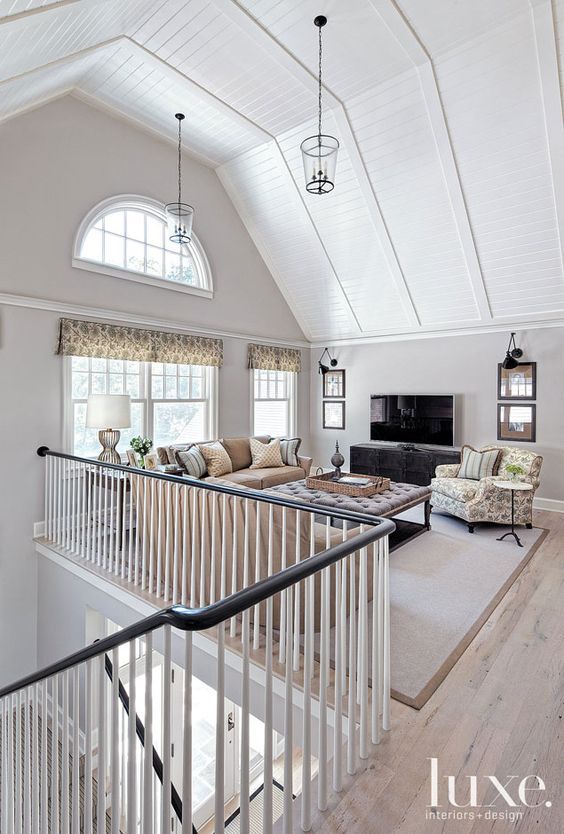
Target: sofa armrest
column 447, row 470
column 487, row 489
column 305, row 464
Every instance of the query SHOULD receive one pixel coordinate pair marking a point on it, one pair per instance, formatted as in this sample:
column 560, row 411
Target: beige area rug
column 443, row 587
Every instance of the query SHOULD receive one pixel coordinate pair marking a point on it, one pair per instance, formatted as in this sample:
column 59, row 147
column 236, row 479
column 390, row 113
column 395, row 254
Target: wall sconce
column 513, row 355
column 323, row 369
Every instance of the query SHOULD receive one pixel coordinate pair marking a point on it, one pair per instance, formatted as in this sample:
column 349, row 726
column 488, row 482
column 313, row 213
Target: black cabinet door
column 363, row 461
column 418, row 461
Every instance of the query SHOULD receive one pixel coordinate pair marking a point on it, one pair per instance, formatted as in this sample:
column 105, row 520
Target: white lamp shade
column 108, row 411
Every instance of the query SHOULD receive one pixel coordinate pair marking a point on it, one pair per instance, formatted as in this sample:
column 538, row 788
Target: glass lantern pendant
column 319, row 153
column 179, row 215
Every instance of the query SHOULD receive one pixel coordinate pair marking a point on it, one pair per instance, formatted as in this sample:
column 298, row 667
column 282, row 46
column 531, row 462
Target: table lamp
column 108, row 412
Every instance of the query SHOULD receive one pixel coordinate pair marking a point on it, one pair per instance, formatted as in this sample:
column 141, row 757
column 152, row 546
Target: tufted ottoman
column 391, row 503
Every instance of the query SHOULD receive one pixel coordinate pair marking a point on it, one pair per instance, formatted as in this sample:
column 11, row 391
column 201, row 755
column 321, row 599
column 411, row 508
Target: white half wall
column 462, row 365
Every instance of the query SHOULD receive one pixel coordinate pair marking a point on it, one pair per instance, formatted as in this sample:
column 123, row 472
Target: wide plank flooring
column 500, row 712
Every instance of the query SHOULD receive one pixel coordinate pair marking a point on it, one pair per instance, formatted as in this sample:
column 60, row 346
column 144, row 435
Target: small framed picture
column 334, row 385
column 132, row 458
column 518, row 383
column 517, row 422
column 151, row 461
column 333, row 415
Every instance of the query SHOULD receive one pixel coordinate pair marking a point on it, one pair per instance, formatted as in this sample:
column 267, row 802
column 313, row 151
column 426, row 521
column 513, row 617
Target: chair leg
column 470, row 528
column 529, row 525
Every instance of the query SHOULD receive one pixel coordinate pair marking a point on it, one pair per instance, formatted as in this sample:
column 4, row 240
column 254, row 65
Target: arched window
column 126, row 237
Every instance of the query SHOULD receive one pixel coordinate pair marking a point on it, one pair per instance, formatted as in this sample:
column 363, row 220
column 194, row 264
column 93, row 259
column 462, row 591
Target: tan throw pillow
column 217, row 460
column 265, row 455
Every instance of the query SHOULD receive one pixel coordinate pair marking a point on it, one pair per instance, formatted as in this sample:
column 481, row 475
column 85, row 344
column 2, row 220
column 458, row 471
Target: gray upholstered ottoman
column 394, row 501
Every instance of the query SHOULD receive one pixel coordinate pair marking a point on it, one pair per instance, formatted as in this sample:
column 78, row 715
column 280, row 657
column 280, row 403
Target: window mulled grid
column 273, row 403
column 169, row 403
column 128, row 238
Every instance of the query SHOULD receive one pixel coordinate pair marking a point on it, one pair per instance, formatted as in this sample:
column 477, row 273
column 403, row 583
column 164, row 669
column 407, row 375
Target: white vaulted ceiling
column 448, row 212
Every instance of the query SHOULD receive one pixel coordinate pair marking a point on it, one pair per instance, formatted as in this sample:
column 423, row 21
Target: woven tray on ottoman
column 324, row 482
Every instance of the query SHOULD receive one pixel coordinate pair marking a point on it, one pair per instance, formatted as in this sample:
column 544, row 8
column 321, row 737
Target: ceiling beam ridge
column 408, row 40
column 38, row 11
column 220, row 103
column 64, row 59
column 242, row 18
column 549, row 80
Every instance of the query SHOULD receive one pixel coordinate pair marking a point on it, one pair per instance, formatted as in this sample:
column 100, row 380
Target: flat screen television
column 413, row 418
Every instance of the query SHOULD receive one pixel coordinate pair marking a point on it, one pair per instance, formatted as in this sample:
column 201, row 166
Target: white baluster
column 297, row 592
column 203, row 538
column 375, row 665
column 220, row 729
column 288, row 817
column 89, row 514
column 283, row 557
column 160, row 532
column 101, row 724
column 75, row 751
column 27, row 763
column 306, row 742
column 211, row 596
column 193, row 602
column 65, row 766
column 167, row 677
column 55, row 753
column 268, row 746
column 153, row 512
column 363, row 653
column 88, row 748
column 256, row 612
column 176, row 563
column 187, row 738
column 323, row 683
column 132, row 741
column 386, row 635
column 235, row 505
column 351, row 701
column 338, row 731
column 114, row 752
column 148, row 778
column 245, row 706
column 167, row 489
column 34, row 760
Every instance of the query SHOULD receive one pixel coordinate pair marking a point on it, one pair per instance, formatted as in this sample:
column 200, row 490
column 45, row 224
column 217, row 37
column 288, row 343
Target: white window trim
column 135, row 201
column 68, row 411
column 293, row 403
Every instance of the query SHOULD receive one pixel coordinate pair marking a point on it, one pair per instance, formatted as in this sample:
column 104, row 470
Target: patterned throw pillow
column 192, row 461
column 217, row 460
column 289, row 450
column 265, row 455
column 477, row 465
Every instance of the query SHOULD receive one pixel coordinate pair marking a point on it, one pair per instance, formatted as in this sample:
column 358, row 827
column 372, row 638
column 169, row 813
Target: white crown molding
column 67, row 308
column 499, row 326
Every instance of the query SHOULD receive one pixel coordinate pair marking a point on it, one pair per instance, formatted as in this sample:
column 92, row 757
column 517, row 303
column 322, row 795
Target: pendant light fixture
column 513, row 355
column 179, row 215
column 319, row 153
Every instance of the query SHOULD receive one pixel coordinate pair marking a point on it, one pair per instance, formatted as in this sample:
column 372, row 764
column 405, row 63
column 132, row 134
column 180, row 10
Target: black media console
column 410, row 466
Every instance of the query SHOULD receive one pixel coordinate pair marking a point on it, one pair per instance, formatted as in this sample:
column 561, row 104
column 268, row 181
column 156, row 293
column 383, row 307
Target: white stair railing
column 71, row 756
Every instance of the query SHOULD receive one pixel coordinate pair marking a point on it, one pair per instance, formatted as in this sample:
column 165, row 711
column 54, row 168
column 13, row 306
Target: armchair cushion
column 447, row 470
column 460, row 489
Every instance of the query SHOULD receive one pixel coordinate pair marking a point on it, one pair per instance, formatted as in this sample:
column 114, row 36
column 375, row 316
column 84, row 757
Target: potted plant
column 515, row 471
column 141, row 445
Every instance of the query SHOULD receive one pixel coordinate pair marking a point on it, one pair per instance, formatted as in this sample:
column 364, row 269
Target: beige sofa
column 239, row 451
column 476, row 501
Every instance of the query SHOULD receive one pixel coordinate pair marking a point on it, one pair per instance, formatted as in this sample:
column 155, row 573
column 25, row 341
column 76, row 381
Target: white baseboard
column 552, row 505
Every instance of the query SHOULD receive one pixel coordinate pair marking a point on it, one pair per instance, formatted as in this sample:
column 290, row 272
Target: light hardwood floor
column 499, row 712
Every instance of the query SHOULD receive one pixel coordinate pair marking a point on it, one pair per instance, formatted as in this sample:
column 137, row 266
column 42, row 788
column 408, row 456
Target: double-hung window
column 170, row 403
column 274, row 402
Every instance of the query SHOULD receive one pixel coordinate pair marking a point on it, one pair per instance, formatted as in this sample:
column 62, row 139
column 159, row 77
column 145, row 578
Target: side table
column 513, row 487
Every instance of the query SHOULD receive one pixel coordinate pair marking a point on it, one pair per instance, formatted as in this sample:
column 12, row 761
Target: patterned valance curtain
column 109, row 341
column 269, row 358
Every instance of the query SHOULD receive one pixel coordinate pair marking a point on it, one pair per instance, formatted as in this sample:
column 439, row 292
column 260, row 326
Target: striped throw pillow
column 192, row 461
column 289, row 450
column 477, row 465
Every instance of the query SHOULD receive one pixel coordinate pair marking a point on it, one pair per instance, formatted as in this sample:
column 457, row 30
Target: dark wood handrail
column 200, row 619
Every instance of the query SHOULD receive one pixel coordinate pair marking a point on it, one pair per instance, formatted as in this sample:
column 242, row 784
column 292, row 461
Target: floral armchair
column 476, row 501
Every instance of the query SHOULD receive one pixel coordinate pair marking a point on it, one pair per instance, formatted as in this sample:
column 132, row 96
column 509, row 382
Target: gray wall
column 461, row 365
column 57, row 162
